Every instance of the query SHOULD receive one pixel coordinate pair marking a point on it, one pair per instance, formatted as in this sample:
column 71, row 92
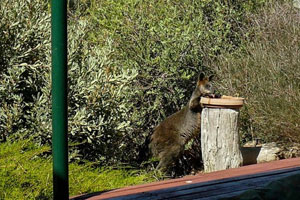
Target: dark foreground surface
column 215, row 185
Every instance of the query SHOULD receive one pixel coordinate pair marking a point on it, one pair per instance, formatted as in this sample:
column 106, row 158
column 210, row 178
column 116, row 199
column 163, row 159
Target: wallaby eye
column 208, row 86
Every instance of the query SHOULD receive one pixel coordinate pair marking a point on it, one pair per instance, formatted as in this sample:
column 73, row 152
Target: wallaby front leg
column 194, row 103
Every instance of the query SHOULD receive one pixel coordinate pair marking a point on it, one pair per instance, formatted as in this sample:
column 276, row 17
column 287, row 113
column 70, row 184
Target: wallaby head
column 204, row 86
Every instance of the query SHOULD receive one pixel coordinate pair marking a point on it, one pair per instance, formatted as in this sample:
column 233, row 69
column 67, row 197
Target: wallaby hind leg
column 168, row 156
column 163, row 163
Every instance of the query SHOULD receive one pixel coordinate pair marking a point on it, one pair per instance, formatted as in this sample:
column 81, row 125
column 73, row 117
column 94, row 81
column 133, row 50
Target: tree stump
column 220, row 143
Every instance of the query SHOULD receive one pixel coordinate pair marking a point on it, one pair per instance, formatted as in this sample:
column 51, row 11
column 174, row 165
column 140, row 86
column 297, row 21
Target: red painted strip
column 245, row 170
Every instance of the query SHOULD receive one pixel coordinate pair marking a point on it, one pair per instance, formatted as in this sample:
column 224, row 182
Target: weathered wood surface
column 215, row 185
column 220, row 139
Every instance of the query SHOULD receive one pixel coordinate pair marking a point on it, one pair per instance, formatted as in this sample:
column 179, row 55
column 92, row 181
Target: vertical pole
column 59, row 99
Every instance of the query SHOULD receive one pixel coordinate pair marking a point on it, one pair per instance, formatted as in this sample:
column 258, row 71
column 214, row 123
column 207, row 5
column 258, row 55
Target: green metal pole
column 59, row 99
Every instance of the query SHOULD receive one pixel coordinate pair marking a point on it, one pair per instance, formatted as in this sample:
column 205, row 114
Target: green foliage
column 167, row 43
column 24, row 68
column 266, row 72
column 100, row 109
column 24, row 174
column 131, row 64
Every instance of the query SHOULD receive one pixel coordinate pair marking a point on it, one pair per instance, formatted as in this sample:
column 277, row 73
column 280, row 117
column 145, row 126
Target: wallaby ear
column 210, row 78
column 201, row 76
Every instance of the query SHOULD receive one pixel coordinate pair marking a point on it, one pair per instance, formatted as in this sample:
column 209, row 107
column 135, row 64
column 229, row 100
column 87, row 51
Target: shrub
column 24, row 73
column 168, row 43
column 266, row 72
column 131, row 64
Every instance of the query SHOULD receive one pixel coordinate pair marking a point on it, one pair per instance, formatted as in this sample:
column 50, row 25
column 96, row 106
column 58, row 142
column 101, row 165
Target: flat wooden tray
column 223, row 102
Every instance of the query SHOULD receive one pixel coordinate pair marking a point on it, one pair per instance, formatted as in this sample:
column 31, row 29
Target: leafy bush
column 266, row 72
column 100, row 110
column 24, row 72
column 131, row 64
column 168, row 43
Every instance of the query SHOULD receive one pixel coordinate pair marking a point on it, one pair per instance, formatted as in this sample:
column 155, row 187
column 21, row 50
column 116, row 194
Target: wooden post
column 220, row 143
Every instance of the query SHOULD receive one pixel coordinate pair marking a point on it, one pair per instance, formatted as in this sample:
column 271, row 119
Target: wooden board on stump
column 220, row 143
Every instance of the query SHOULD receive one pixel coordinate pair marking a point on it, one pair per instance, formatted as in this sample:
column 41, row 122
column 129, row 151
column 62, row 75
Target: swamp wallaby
column 171, row 135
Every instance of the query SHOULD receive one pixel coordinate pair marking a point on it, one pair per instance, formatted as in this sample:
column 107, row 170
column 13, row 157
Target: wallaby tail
column 144, row 151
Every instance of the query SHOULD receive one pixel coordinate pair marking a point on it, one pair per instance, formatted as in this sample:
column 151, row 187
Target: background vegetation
column 26, row 173
column 265, row 70
column 132, row 63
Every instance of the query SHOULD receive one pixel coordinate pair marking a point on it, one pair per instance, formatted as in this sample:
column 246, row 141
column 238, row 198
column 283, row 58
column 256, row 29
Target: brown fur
column 171, row 135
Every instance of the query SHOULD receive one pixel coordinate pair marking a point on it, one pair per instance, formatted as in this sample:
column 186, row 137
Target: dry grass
column 267, row 73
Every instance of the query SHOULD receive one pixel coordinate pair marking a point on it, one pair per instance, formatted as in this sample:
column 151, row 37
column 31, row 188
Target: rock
column 250, row 143
column 253, row 143
column 296, row 3
column 269, row 152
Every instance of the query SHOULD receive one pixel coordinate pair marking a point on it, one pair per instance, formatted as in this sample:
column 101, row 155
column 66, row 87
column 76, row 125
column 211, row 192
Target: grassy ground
column 25, row 175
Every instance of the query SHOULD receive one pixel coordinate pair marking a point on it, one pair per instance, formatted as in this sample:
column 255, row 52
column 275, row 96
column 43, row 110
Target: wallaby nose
column 210, row 91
